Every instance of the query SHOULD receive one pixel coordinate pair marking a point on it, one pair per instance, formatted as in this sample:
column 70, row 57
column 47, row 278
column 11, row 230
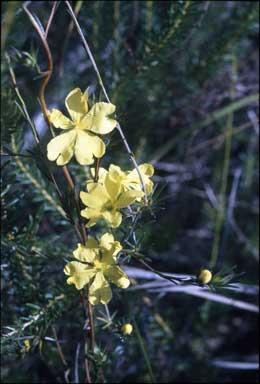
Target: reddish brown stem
column 88, row 379
column 80, row 229
column 91, row 323
column 48, row 73
column 97, row 165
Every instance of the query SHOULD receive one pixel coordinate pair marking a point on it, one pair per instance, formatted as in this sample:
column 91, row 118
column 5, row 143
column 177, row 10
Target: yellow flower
column 127, row 329
column 26, row 347
column 98, row 267
column 104, row 201
column 80, row 138
column 128, row 180
column 205, row 276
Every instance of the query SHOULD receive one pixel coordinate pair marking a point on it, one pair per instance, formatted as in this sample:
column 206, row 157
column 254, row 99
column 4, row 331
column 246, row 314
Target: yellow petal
column 114, row 218
column 87, row 146
column 77, row 104
column 79, row 273
column 145, row 169
column 127, row 198
column 115, row 173
column 102, row 172
column 91, row 222
column 109, row 247
column 96, row 198
column 87, row 252
column 91, row 185
column 61, row 147
column 100, row 291
column 106, row 241
column 97, row 121
column 91, row 213
column 134, row 182
column 59, row 120
column 113, row 187
column 117, row 276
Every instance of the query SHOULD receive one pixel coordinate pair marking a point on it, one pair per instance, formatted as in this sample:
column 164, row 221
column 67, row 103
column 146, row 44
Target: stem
column 154, row 270
column 62, row 357
column 86, row 46
column 145, row 354
column 97, row 165
column 48, row 73
column 30, row 121
column 88, row 379
column 92, row 329
column 80, row 228
column 223, row 190
column 53, row 10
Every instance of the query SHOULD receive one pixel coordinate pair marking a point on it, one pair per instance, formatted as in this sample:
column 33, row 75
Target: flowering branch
column 129, row 151
column 81, row 230
column 47, row 74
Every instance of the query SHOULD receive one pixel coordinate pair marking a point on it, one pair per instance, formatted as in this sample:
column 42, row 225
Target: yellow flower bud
column 127, row 329
column 205, row 276
column 27, row 345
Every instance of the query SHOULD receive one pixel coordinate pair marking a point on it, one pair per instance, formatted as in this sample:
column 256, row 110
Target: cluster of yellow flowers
column 96, row 263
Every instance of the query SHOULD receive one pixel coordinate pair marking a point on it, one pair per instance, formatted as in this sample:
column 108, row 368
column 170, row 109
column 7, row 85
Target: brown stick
column 61, row 354
column 92, row 329
column 85, row 314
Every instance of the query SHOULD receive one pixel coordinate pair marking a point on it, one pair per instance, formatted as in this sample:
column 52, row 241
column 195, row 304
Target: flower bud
column 127, row 329
column 205, row 276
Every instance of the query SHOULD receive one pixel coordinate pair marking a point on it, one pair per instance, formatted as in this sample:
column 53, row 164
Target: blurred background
column 184, row 78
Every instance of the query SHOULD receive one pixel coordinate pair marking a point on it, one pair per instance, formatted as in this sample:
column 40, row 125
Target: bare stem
column 85, row 314
column 53, row 10
column 60, row 352
column 92, row 329
column 97, row 165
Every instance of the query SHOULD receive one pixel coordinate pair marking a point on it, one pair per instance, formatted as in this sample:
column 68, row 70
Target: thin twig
column 91, row 324
column 30, row 121
column 59, row 349
column 222, row 199
column 219, row 138
column 76, row 368
column 53, row 10
column 144, row 351
column 85, row 314
column 204, row 294
column 67, row 37
column 154, row 270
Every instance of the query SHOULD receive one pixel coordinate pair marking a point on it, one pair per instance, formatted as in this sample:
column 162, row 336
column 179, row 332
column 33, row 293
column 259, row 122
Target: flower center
column 78, row 124
column 108, row 207
column 98, row 264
